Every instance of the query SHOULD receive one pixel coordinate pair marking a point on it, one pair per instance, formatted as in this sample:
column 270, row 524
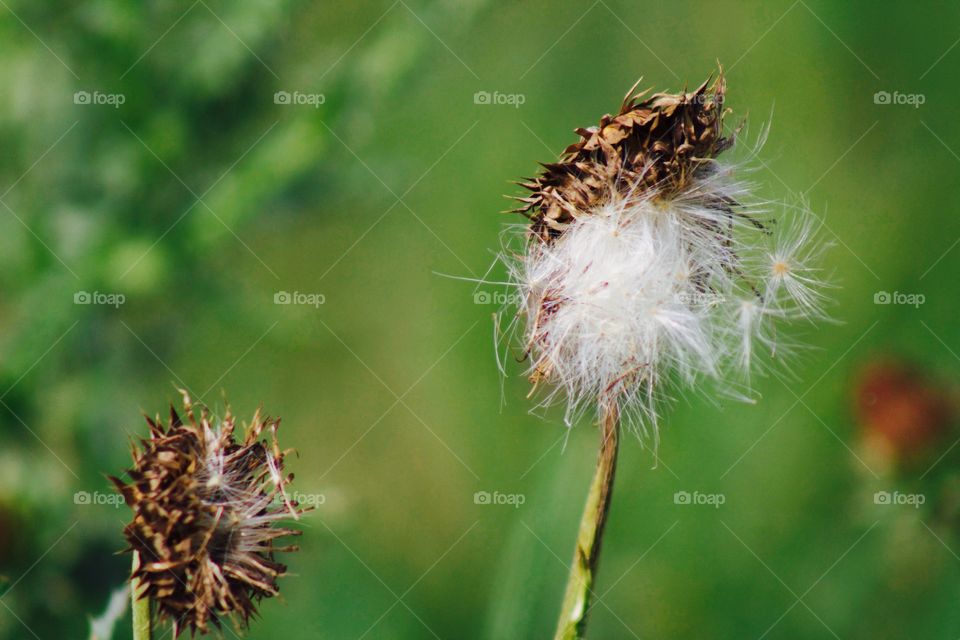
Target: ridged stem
column 142, row 620
column 576, row 601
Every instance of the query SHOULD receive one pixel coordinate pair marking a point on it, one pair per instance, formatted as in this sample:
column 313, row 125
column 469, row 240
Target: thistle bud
column 205, row 513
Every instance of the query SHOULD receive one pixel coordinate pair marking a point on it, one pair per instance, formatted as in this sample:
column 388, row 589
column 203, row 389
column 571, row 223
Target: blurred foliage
column 199, row 198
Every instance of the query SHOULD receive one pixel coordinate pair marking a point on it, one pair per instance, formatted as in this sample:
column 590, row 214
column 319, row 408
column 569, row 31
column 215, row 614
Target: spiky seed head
column 206, row 509
column 661, row 142
column 641, row 261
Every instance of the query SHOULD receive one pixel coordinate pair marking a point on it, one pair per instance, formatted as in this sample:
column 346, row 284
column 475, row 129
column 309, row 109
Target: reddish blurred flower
column 901, row 410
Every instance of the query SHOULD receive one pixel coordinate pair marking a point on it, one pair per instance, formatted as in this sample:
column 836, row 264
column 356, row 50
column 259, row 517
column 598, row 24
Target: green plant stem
column 142, row 619
column 576, row 601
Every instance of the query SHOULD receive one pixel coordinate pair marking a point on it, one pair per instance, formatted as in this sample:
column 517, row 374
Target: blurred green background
column 205, row 194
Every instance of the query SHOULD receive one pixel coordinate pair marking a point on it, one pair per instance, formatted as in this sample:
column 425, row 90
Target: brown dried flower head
column 660, row 143
column 648, row 261
column 205, row 514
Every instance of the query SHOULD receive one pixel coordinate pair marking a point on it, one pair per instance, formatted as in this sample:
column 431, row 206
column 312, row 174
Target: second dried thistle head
column 206, row 509
column 646, row 259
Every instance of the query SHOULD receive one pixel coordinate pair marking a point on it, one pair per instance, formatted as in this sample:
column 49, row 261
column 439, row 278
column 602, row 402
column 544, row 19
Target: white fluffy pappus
column 645, row 292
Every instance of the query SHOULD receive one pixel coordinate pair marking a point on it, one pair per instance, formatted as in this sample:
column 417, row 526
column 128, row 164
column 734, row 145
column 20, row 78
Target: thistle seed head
column 205, row 513
column 646, row 260
column 661, row 142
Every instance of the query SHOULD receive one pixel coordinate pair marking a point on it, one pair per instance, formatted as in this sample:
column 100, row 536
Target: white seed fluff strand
column 643, row 291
